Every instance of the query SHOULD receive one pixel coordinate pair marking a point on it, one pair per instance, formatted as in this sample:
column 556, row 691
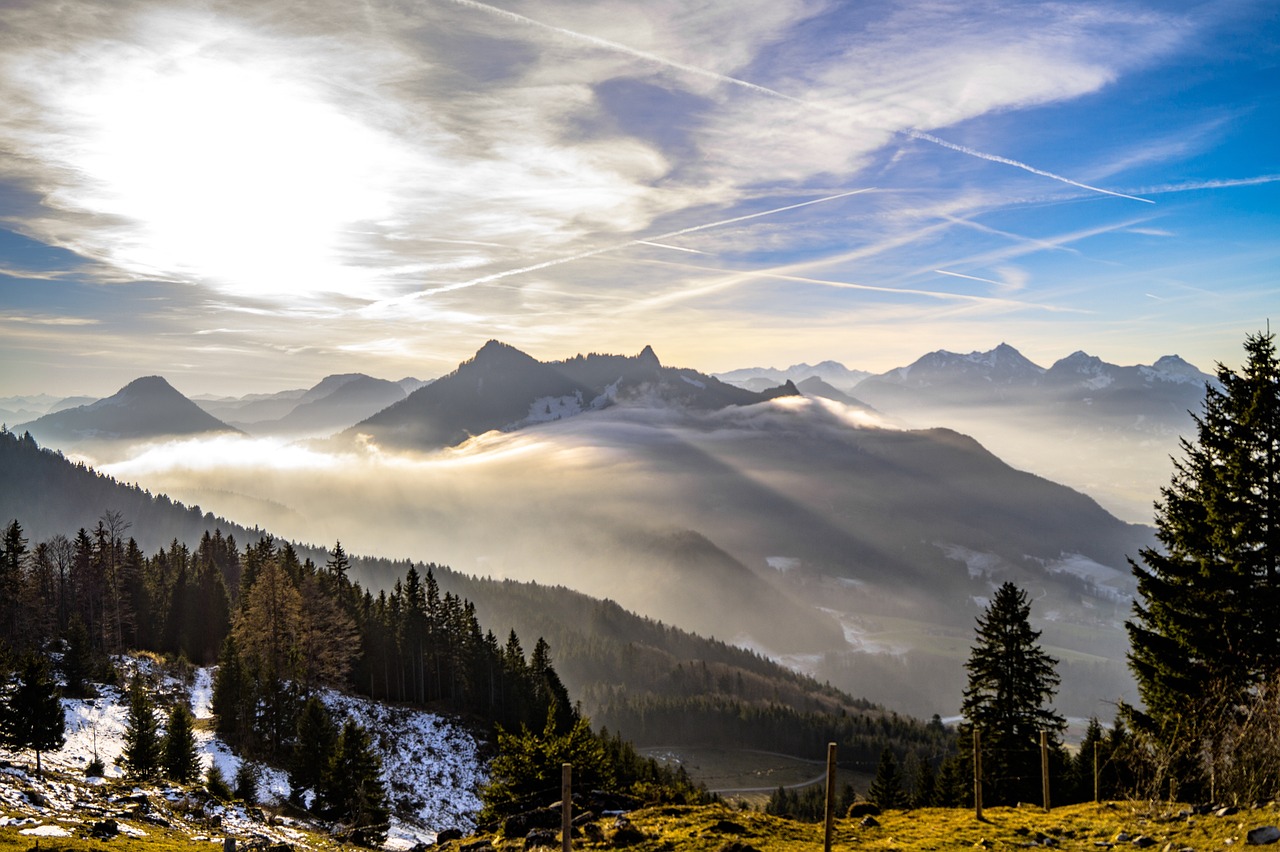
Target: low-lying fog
column 785, row 526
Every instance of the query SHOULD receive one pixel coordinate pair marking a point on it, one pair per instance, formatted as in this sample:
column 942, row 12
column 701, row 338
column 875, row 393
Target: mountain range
column 1106, row 429
column 813, row 528
column 504, row 389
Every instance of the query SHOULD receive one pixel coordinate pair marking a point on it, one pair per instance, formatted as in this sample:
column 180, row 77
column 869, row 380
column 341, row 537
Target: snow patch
column 782, row 564
column 980, row 565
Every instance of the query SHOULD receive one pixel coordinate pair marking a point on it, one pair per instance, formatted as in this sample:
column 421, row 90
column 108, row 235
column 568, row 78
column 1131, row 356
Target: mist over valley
column 819, row 532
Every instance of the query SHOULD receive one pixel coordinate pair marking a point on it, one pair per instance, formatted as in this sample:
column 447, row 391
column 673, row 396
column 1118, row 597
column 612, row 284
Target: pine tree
column 31, row 715
column 1011, row 680
column 181, row 762
column 353, row 792
column 924, row 784
column 312, row 750
column 886, row 789
column 1203, row 633
column 141, row 758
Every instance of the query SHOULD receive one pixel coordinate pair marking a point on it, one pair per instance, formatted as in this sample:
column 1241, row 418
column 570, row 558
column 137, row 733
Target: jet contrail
column 497, row 276
column 971, row 277
column 774, row 93
column 778, row 275
column 671, row 247
column 996, row 158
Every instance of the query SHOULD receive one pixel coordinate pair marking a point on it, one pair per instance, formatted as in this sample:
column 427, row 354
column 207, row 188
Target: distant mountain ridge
column 502, row 388
column 145, row 408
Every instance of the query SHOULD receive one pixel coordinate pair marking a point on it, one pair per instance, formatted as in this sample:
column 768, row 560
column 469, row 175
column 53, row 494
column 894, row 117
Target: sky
column 248, row 196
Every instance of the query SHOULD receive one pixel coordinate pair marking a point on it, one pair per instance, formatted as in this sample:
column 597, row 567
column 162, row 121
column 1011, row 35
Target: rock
column 104, row 830
column 1122, row 837
column 447, row 835
column 519, row 825
column 1263, row 835
column 593, row 832
column 1226, row 812
column 626, row 834
column 1143, row 842
column 541, row 837
column 726, row 826
column 869, row 821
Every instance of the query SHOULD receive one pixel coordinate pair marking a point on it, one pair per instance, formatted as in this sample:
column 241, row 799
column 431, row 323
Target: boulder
column 447, row 835
column 869, row 821
column 1263, row 835
column 541, row 838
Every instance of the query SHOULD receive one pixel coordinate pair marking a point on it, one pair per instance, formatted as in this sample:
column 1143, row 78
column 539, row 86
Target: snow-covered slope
column 431, row 767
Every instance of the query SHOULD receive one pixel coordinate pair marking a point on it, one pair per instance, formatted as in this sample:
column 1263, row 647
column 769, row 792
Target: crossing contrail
column 774, row 93
column 507, row 273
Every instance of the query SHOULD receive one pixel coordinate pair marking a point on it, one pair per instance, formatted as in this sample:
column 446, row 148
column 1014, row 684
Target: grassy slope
column 1076, row 827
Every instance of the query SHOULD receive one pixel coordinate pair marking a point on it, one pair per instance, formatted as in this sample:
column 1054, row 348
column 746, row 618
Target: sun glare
column 233, row 173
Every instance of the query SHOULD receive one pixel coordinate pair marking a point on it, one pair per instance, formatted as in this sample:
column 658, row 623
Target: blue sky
column 245, row 197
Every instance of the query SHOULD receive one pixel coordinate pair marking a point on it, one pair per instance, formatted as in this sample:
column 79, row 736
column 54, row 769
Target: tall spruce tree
column 178, row 748
column 1011, row 682
column 142, row 755
column 886, row 788
column 1204, row 634
column 353, row 791
column 31, row 715
column 312, row 750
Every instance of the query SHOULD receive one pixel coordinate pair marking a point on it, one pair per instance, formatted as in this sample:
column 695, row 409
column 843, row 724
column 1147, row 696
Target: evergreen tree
column 31, row 715
column 181, row 762
column 77, row 660
column 247, row 777
column 141, row 758
column 312, row 750
column 1011, row 680
column 924, row 784
column 353, row 792
column 886, row 789
column 1204, row 634
column 216, row 783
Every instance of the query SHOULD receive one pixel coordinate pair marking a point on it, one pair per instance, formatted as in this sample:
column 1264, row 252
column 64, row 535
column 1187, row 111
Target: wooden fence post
column 831, row 797
column 1097, row 790
column 1044, row 767
column 977, row 772
column 566, row 807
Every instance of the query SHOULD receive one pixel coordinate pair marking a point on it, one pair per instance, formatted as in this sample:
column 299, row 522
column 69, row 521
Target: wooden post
column 831, row 797
column 566, row 807
column 1044, row 767
column 977, row 773
column 1097, row 789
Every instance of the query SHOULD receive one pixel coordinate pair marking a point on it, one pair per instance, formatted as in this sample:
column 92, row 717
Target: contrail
column 497, row 276
column 778, row 275
column 665, row 246
column 774, row 93
column 996, row 158
column 971, row 277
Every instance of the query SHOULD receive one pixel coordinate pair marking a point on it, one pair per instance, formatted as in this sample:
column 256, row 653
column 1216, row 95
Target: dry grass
column 1077, row 827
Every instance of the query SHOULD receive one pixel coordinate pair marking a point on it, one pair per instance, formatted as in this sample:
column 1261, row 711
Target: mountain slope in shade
column 145, row 408
column 814, row 386
column 499, row 387
column 504, row 389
